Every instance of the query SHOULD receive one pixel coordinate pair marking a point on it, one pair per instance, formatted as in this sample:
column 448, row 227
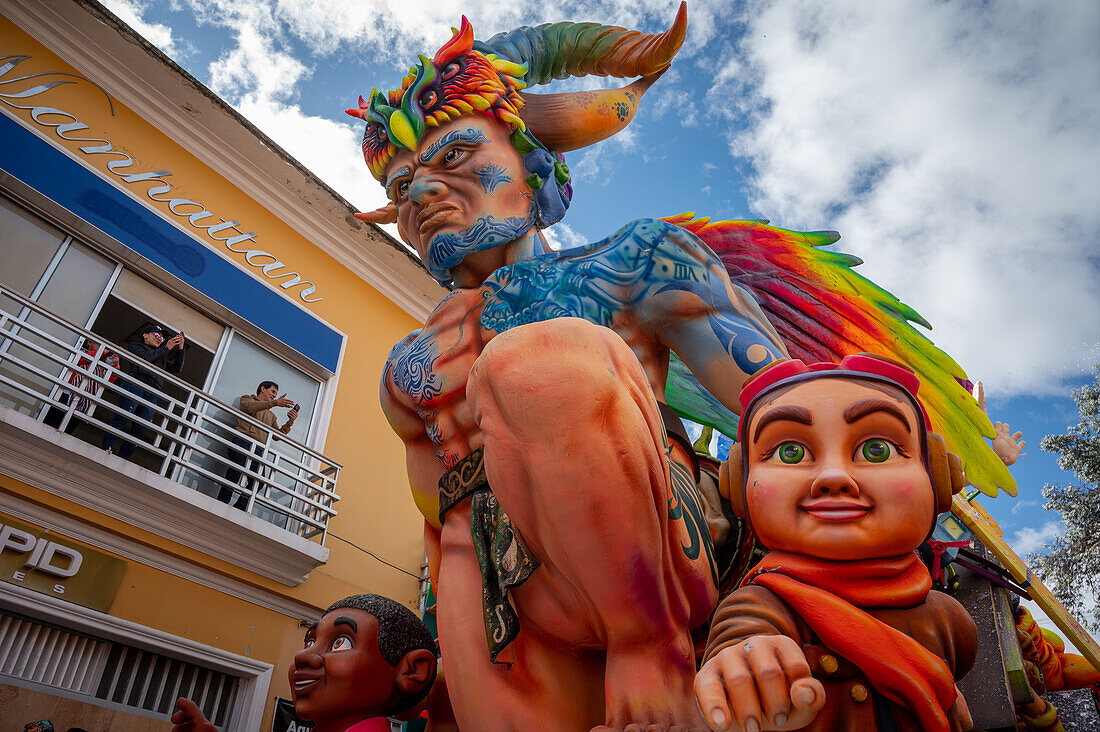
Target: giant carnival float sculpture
column 577, row 543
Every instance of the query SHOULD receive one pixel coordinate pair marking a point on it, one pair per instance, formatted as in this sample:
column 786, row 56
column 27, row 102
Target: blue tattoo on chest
column 490, row 176
column 594, row 282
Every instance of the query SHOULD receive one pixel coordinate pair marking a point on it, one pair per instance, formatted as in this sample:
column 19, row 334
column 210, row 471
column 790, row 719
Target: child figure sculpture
column 367, row 658
column 837, row 628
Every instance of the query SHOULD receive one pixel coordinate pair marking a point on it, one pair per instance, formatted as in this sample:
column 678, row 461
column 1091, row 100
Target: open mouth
column 303, row 684
column 836, row 510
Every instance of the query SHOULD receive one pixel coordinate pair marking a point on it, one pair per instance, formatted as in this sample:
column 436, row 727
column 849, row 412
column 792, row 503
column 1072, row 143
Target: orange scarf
column 829, row 595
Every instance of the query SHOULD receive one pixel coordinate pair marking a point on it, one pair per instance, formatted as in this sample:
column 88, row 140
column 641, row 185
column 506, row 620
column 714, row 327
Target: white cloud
column 396, row 30
column 255, row 69
column 131, row 11
column 1020, row 505
column 1029, row 539
column 955, row 147
column 563, row 236
column 260, row 81
column 329, row 149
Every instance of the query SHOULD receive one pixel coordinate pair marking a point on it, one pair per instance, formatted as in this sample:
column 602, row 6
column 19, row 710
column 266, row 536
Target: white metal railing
column 281, row 480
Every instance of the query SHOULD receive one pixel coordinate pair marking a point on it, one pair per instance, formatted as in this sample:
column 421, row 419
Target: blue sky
column 954, row 145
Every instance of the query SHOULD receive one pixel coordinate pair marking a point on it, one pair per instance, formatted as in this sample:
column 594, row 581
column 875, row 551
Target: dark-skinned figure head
column 399, row 633
column 368, row 656
column 469, row 77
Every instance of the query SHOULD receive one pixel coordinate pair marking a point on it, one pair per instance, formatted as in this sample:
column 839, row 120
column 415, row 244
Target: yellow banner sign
column 46, row 563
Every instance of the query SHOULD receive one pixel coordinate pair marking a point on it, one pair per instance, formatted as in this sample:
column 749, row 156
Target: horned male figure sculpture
column 564, row 530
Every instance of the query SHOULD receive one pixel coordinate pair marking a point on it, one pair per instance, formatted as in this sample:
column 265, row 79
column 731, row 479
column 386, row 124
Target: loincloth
column 505, row 559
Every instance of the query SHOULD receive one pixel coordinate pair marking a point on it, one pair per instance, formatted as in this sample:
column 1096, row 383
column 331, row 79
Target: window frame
column 76, row 229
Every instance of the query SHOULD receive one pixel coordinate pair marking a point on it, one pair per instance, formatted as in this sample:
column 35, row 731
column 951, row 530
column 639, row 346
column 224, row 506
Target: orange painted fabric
column 829, row 597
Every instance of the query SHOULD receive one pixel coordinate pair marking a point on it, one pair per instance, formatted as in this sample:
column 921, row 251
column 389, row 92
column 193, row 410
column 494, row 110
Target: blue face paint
column 491, row 175
column 468, row 136
column 448, row 250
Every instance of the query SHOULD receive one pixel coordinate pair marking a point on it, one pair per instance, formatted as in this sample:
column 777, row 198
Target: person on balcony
column 144, row 384
column 79, row 382
column 258, row 407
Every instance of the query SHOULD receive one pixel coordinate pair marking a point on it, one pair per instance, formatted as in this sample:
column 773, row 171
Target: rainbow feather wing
column 824, row 311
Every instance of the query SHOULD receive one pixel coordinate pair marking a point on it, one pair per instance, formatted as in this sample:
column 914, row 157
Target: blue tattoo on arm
column 735, row 335
column 470, row 136
column 414, row 370
column 491, row 175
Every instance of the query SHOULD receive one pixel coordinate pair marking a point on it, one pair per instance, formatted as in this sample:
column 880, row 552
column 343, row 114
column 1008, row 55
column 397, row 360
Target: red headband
column 862, row 366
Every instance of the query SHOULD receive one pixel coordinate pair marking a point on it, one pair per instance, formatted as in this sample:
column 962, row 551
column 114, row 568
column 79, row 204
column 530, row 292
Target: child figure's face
column 835, row 471
column 340, row 677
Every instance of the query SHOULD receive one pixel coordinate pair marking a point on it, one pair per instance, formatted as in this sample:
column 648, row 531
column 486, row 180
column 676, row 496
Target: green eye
column 791, row 453
column 877, row 451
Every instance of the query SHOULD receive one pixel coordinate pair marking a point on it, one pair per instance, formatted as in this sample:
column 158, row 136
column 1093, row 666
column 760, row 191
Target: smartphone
column 297, row 406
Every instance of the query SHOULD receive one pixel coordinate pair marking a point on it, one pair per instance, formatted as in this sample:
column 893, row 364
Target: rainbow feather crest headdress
column 467, row 76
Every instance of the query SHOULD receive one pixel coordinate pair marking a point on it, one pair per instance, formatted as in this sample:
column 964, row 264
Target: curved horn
column 572, row 120
column 385, row 215
column 560, row 50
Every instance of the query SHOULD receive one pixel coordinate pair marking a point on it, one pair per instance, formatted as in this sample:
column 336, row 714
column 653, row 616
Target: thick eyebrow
column 403, row 170
column 864, row 407
column 789, row 412
column 345, row 620
column 469, row 135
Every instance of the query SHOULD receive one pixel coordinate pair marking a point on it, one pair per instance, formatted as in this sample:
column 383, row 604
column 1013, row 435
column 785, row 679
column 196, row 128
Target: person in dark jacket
column 143, row 383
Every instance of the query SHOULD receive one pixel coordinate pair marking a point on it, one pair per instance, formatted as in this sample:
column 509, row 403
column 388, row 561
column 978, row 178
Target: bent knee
column 563, row 356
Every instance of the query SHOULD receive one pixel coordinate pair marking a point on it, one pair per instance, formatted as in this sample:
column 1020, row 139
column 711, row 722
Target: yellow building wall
column 376, row 511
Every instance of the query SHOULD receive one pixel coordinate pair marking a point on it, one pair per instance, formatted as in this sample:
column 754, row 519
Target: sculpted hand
column 283, row 401
column 1009, row 447
column 190, row 718
column 763, row 683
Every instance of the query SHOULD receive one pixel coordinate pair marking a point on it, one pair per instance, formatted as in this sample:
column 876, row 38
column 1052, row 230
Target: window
column 60, row 274
column 90, row 290
column 129, row 678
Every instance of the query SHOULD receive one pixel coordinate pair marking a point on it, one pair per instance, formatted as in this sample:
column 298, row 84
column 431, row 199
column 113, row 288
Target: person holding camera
column 144, row 384
column 258, row 407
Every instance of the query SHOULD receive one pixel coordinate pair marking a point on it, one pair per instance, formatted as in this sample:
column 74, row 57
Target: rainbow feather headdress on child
column 467, row 76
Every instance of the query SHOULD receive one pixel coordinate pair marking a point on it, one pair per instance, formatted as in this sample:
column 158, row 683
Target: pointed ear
column 416, row 671
column 385, row 215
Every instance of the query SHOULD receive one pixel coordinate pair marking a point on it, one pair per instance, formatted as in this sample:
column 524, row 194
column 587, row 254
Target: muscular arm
column 717, row 328
column 421, row 462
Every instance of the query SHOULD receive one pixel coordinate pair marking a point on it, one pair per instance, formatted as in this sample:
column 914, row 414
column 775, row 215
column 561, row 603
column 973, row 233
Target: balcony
column 274, row 508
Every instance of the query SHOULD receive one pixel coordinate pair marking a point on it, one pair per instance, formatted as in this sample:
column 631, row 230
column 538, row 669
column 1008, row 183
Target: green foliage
column 1070, row 565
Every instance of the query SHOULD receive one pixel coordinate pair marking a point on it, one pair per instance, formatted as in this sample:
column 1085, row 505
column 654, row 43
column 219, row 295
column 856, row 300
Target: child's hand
column 763, row 683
